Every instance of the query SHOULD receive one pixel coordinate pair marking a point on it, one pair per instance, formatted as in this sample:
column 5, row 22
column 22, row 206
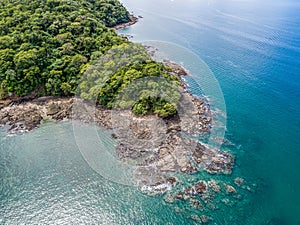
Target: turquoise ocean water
column 253, row 49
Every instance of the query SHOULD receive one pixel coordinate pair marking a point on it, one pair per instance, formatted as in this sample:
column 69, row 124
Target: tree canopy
column 46, row 47
column 44, row 43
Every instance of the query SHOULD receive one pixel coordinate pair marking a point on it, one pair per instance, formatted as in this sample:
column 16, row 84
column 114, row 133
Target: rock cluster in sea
column 158, row 147
column 162, row 148
column 201, row 199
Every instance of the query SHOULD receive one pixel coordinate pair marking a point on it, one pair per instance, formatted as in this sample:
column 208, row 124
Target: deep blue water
column 253, row 49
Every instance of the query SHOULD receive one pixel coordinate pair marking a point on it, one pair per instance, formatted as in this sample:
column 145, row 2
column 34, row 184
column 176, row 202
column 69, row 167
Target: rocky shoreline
column 164, row 151
column 160, row 147
column 133, row 20
column 161, row 150
column 157, row 144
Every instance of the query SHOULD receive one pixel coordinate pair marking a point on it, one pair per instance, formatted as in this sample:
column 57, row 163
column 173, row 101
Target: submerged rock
column 213, row 185
column 196, row 204
column 226, row 201
column 238, row 181
column 230, row 189
column 205, row 219
column 195, row 217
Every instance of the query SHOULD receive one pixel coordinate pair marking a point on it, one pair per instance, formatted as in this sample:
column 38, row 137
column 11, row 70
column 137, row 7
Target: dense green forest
column 127, row 77
column 46, row 47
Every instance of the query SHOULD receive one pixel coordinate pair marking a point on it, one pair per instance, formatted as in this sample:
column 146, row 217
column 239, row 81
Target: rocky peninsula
column 160, row 147
column 161, row 143
column 164, row 150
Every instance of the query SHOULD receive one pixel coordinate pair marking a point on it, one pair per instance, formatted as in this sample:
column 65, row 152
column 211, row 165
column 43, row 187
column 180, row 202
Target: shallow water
column 253, row 49
column 44, row 179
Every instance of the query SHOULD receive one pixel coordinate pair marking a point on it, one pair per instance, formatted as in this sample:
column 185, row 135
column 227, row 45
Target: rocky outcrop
column 158, row 148
column 132, row 21
column 25, row 116
column 176, row 69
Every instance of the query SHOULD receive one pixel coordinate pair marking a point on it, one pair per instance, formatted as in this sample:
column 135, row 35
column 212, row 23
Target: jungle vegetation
column 53, row 47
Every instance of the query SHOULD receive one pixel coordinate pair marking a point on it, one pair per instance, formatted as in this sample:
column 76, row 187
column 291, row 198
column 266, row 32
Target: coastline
column 46, row 155
column 133, row 20
column 162, row 148
column 159, row 145
column 165, row 144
